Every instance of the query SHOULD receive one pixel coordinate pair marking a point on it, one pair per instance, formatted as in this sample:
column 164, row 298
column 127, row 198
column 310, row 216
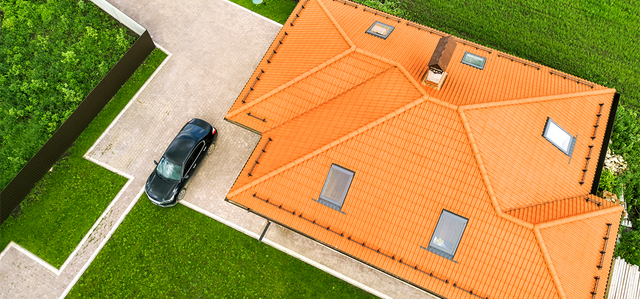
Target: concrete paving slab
column 340, row 265
column 215, row 45
column 208, row 68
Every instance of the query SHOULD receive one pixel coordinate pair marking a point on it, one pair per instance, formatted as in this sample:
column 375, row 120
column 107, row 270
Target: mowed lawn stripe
column 593, row 40
column 180, row 253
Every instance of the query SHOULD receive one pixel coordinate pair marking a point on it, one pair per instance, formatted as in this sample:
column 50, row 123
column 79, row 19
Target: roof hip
column 539, row 99
column 335, row 23
column 330, row 145
column 290, row 83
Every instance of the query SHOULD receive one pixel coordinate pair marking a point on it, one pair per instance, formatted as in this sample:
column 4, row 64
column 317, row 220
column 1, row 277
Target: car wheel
column 182, row 193
column 211, row 148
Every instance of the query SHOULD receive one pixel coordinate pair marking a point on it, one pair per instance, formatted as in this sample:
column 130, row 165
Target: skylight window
column 559, row 137
column 446, row 238
column 380, row 29
column 474, row 60
column 335, row 187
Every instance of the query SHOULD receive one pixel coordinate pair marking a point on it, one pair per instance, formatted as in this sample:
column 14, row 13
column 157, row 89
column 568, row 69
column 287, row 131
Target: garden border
column 20, row 186
column 120, row 16
column 130, row 179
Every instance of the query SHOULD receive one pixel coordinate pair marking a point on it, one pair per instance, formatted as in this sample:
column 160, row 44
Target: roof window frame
column 466, row 54
column 433, row 249
column 332, row 202
column 378, row 34
column 572, row 141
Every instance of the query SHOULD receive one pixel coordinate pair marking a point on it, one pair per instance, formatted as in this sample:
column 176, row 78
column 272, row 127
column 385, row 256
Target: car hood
column 159, row 189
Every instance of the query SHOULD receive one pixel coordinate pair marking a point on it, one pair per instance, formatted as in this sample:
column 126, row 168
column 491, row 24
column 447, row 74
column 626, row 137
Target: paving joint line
column 130, row 178
column 255, row 13
column 325, row 268
column 169, row 55
column 220, row 219
column 104, row 241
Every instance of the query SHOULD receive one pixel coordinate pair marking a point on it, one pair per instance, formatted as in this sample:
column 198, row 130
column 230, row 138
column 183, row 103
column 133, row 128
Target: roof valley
column 530, row 90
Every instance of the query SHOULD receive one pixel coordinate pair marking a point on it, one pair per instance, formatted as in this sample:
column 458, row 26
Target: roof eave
column 605, row 143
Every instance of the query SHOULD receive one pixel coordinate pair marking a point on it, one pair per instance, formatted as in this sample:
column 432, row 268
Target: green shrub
column 52, row 54
column 608, row 182
column 63, row 206
column 625, row 141
column 629, row 246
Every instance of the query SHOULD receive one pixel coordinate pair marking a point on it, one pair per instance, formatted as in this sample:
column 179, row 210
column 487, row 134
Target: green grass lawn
column 58, row 213
column 180, row 253
column 594, row 40
column 277, row 10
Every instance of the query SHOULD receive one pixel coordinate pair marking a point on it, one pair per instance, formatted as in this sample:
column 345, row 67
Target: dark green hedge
column 52, row 54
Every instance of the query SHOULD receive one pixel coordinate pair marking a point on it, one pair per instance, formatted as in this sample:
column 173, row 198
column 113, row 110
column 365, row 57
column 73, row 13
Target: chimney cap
column 443, row 53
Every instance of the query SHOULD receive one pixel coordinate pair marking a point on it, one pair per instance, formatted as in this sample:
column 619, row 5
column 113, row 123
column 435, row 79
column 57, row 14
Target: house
column 459, row 169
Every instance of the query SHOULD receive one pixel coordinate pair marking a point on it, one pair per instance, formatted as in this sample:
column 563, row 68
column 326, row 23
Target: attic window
column 335, row 187
column 559, row 137
column 380, row 29
column 446, row 237
column 474, row 60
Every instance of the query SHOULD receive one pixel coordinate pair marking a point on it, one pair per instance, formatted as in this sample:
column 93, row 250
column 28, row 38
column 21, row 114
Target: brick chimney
column 436, row 74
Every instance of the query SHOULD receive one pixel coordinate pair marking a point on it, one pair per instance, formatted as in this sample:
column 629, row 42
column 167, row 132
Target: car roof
column 181, row 146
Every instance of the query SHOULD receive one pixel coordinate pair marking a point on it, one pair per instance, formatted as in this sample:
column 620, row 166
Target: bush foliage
column 63, row 206
column 596, row 41
column 625, row 141
column 52, row 54
column 629, row 246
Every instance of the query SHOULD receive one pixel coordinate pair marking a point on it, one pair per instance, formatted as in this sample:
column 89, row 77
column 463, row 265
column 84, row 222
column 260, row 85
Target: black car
column 166, row 185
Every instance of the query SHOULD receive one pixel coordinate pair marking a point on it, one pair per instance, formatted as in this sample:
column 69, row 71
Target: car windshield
column 169, row 170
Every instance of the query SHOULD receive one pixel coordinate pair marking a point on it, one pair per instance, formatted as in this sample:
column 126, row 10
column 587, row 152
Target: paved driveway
column 215, row 46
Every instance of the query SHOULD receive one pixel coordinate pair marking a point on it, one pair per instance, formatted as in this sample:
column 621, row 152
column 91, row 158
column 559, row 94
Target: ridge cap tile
column 539, row 99
column 453, row 132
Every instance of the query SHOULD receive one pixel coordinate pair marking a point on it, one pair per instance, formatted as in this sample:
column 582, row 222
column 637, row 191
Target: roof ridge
column 293, row 81
column 543, row 247
column 330, row 145
column 539, row 99
column 476, row 154
column 333, row 98
column 485, row 176
column 578, row 217
column 548, row 262
column 409, row 77
column 551, row 202
column 335, row 24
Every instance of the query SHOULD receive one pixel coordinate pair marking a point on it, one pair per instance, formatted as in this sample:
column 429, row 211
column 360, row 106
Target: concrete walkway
column 215, row 46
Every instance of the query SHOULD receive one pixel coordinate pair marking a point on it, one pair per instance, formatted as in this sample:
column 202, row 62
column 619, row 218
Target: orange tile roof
column 328, row 93
column 559, row 209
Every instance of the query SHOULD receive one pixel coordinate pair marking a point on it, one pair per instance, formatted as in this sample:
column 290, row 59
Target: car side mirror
column 156, row 162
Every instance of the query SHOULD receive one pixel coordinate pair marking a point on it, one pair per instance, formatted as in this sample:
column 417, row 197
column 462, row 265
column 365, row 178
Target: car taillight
column 213, row 132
